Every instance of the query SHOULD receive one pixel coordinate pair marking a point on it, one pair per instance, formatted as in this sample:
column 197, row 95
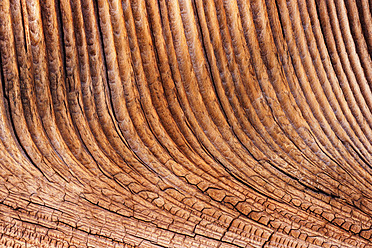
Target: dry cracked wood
column 158, row 123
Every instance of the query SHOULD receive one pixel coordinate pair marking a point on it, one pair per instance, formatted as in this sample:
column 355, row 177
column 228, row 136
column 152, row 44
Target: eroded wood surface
column 156, row 123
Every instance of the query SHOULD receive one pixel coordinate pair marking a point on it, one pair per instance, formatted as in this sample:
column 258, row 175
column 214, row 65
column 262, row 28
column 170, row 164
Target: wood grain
column 143, row 123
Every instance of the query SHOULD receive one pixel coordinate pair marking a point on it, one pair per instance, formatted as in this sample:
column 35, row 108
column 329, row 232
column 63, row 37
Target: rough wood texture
column 161, row 123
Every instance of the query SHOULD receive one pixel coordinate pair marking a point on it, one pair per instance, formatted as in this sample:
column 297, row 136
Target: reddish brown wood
column 144, row 123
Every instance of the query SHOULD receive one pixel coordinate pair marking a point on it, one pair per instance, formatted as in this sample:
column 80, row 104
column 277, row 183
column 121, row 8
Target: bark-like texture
column 161, row 123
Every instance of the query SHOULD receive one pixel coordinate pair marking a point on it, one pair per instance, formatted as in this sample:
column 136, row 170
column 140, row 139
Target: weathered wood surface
column 144, row 123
